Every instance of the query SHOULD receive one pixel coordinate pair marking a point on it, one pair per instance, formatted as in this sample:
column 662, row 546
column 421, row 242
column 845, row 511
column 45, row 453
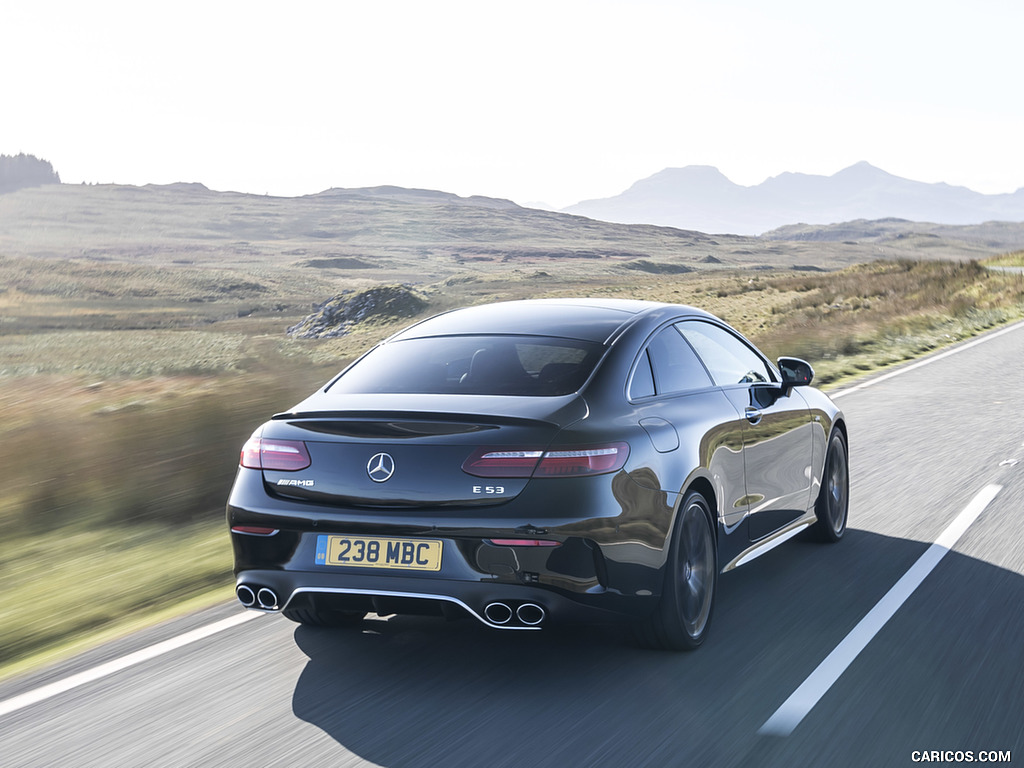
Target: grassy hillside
column 396, row 234
column 900, row 233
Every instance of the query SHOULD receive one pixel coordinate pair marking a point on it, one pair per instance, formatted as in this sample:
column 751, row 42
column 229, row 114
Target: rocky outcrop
column 336, row 316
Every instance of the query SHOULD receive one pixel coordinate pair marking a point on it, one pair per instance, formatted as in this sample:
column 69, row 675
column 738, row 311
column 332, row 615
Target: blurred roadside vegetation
column 125, row 406
column 1012, row 260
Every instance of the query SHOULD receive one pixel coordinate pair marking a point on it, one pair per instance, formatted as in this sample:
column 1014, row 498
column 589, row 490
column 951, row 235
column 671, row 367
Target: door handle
column 753, row 415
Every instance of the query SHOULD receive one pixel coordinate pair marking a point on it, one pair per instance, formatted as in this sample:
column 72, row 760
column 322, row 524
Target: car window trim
column 643, row 352
column 772, row 370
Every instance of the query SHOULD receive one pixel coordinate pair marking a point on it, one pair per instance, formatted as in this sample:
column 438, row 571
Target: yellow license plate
column 378, row 552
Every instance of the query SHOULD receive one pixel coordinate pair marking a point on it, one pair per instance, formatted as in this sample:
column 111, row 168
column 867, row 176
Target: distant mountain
column 701, row 198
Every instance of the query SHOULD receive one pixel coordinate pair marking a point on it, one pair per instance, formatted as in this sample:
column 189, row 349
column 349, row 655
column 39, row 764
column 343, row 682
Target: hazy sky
column 556, row 100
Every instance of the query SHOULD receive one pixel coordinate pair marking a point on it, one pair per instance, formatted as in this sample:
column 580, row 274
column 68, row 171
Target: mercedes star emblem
column 380, row 467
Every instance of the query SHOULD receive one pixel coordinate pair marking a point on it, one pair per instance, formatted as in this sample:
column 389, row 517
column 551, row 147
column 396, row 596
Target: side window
column 728, row 358
column 674, row 366
column 642, row 384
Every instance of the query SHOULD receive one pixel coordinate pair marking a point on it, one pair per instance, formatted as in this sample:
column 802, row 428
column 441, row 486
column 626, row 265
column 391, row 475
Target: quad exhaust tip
column 257, row 597
column 245, row 595
column 530, row 614
column 267, row 598
column 498, row 613
column 502, row 614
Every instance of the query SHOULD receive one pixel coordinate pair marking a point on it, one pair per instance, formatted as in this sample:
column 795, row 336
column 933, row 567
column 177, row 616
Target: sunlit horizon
column 535, row 102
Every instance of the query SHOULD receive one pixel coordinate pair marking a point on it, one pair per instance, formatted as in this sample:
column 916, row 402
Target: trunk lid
column 370, row 453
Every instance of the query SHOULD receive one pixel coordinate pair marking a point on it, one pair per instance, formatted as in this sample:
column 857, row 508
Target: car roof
column 584, row 319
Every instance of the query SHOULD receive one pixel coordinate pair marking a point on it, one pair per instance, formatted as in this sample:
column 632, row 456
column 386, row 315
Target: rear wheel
column 681, row 620
column 833, row 504
column 315, row 618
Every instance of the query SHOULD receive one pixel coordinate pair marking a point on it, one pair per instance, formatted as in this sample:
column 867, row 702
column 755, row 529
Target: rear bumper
column 451, row 599
column 608, row 565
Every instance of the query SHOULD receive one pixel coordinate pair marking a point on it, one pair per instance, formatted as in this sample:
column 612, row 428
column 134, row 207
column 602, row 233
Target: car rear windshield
column 473, row 365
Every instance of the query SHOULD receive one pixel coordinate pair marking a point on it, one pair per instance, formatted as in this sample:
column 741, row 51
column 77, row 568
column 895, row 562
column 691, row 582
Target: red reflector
column 284, row 455
column 253, row 530
column 525, row 542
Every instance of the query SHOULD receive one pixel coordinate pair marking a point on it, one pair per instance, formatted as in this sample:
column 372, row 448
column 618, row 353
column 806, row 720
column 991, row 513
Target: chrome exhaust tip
column 245, row 595
column 267, row 598
column 530, row 614
column 498, row 613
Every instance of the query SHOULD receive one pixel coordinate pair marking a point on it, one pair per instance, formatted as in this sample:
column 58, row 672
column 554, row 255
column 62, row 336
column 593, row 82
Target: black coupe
column 538, row 461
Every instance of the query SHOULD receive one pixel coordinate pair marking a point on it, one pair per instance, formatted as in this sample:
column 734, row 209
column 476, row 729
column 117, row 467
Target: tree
column 21, row 170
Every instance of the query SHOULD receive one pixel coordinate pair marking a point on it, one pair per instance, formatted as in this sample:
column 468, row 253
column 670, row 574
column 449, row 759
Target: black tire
column 314, row 618
column 682, row 618
column 833, row 505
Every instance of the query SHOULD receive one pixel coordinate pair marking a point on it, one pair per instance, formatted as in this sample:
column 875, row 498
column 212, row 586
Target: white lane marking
column 927, row 361
column 795, row 708
column 116, row 665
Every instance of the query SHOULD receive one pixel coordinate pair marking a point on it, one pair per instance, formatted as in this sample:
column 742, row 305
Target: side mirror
column 795, row 373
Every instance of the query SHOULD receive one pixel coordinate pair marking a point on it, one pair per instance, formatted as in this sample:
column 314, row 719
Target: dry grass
column 116, row 493
column 852, row 321
column 878, row 314
column 62, row 584
column 1015, row 259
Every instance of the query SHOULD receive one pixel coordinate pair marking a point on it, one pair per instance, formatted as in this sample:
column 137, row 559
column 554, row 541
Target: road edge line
column 106, row 669
column 793, row 710
column 928, row 360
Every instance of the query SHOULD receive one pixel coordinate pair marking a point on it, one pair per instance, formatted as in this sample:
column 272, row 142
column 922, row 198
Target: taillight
column 283, row 455
column 570, row 461
column 496, row 462
column 590, row 460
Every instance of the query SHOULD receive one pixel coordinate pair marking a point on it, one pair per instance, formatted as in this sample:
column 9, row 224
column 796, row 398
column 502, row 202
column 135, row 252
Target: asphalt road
column 944, row 673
